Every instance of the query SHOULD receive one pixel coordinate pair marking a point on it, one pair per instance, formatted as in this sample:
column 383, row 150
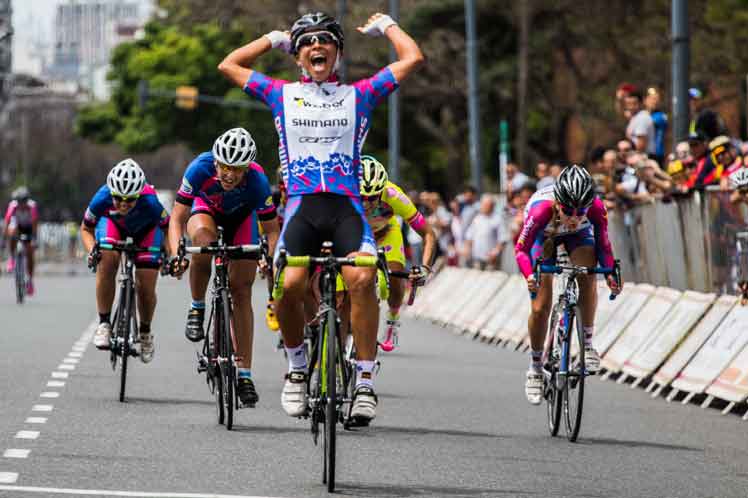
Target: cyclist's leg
column 394, row 250
column 106, row 274
column 537, row 324
column 146, row 274
column 581, row 249
column 201, row 228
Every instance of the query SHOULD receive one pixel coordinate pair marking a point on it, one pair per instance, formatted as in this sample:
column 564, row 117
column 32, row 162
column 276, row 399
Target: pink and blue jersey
column 321, row 128
column 21, row 214
column 593, row 230
column 148, row 212
column 202, row 190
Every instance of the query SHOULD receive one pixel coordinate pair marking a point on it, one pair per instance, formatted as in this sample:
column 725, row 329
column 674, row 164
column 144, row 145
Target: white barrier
column 429, row 294
column 605, row 306
column 462, row 294
column 516, row 327
column 666, row 337
column 716, row 353
column 504, row 304
column 482, row 309
column 634, row 297
column 732, row 383
column 442, row 307
column 644, row 325
column 700, row 334
column 487, row 284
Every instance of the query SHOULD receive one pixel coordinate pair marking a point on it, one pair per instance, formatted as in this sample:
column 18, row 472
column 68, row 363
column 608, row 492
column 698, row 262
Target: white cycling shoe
column 591, row 359
column 102, row 335
column 293, row 396
column 146, row 348
column 364, row 407
column 534, row 387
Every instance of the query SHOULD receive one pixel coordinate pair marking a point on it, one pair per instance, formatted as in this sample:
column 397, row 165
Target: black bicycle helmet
column 575, row 187
column 315, row 21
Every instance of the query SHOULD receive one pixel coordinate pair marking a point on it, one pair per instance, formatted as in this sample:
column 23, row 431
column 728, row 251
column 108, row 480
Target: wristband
column 379, row 26
column 279, row 39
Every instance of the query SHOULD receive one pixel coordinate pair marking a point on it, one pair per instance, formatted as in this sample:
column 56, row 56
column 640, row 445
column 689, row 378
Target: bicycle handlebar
column 250, row 249
column 306, row 261
column 413, row 285
column 540, row 268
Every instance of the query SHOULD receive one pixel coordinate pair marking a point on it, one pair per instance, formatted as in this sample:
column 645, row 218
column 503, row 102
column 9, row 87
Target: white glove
column 280, row 39
column 378, row 25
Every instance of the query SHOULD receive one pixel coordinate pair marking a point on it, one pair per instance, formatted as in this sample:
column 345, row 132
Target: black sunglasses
column 568, row 211
column 128, row 200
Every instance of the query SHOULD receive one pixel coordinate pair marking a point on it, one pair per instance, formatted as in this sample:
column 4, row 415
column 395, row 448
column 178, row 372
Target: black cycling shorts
column 313, row 219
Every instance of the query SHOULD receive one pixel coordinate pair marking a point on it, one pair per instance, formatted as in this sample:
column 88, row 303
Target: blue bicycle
column 563, row 355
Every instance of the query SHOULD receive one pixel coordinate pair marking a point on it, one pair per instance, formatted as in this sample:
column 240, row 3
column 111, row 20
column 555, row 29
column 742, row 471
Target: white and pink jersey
column 22, row 215
column 537, row 226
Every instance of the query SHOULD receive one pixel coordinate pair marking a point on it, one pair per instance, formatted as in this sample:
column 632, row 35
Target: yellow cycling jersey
column 392, row 202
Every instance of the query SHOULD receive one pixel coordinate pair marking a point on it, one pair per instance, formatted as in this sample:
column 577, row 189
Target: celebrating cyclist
column 125, row 207
column 225, row 188
column 567, row 213
column 383, row 203
column 322, row 124
column 21, row 218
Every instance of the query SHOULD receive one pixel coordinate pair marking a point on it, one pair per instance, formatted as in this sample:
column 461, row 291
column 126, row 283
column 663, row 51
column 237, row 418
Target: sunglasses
column 370, row 198
column 123, row 199
column 322, row 37
column 568, row 211
column 743, row 191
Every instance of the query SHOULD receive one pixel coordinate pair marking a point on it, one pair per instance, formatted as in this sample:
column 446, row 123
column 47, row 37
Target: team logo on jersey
column 186, row 187
column 301, row 102
column 269, row 201
column 318, row 140
column 320, row 123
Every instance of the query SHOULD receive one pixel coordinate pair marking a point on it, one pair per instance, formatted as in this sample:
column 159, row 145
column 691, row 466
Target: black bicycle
column 124, row 338
column 330, row 383
column 563, row 355
column 21, row 274
column 217, row 358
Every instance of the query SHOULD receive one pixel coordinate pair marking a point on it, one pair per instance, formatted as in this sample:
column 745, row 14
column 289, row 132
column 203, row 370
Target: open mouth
column 319, row 61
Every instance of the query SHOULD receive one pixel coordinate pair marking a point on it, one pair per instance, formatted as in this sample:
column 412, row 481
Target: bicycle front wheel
column 123, row 335
column 228, row 368
column 20, row 274
column 574, row 388
column 331, row 407
column 552, row 394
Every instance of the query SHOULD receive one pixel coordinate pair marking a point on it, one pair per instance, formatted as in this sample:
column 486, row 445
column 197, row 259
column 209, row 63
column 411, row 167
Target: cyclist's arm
column 236, row 66
column 8, row 215
column 426, row 231
column 271, row 228
column 537, row 218
column 34, row 218
column 409, row 55
column 88, row 236
column 598, row 216
column 180, row 213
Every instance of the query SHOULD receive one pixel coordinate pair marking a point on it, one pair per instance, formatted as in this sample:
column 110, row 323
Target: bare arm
column 88, row 237
column 429, row 243
column 236, row 65
column 272, row 230
column 180, row 213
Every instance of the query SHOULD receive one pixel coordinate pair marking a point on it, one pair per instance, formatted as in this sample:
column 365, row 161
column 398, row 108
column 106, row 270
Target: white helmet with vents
column 235, row 148
column 126, row 179
column 739, row 179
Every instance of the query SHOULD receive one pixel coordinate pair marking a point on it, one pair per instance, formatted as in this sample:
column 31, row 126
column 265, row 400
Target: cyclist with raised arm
column 21, row 218
column 383, row 203
column 225, row 188
column 567, row 213
column 125, row 207
column 322, row 124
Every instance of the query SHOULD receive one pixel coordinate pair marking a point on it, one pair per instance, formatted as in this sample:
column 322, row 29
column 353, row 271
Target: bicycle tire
column 552, row 394
column 227, row 365
column 213, row 371
column 574, row 388
column 123, row 334
column 20, row 274
column 331, row 408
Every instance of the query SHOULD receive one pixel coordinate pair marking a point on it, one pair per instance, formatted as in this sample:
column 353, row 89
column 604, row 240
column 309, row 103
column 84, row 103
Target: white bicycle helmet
column 126, row 179
column 235, row 148
column 739, row 179
column 575, row 187
column 373, row 177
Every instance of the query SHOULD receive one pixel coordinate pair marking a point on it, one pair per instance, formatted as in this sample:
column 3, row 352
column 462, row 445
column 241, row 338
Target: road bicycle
column 218, row 356
column 21, row 280
column 563, row 355
column 124, row 337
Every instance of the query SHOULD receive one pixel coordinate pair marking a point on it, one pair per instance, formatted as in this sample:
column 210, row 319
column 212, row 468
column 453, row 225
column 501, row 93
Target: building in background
column 85, row 33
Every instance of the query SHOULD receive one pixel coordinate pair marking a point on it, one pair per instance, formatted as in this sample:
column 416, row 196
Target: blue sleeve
column 200, row 169
column 374, row 90
column 100, row 204
column 265, row 89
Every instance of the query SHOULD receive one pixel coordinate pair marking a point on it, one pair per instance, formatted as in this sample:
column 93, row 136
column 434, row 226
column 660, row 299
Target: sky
column 33, row 25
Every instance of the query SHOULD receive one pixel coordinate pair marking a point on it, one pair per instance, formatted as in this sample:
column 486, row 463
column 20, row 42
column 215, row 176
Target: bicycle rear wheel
column 331, row 407
column 552, row 394
column 574, row 388
column 228, row 370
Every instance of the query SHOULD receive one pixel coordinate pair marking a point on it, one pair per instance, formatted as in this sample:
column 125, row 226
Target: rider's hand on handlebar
column 532, row 284
column 93, row 258
column 615, row 289
column 177, row 266
column 419, row 274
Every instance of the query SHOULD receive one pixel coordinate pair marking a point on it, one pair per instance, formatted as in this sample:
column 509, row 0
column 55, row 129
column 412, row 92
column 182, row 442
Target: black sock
column 105, row 317
column 145, row 328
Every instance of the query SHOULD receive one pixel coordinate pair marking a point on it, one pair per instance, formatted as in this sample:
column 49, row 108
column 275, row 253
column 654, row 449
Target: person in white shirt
column 485, row 237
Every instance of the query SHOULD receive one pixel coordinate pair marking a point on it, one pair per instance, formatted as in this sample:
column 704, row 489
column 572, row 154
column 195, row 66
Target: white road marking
column 16, row 453
column 75, row 354
column 36, row 420
column 8, row 477
column 65, row 366
column 42, row 408
column 55, row 383
column 98, row 492
column 60, row 375
column 49, row 394
column 72, row 361
column 27, row 434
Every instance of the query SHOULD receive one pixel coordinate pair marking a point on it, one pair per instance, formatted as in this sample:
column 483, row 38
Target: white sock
column 588, row 333
column 296, row 358
column 365, row 373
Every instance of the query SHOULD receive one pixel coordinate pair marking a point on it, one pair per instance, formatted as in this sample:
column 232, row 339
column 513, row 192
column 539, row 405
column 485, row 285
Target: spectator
column 640, row 130
column 542, row 173
column 485, row 238
column 440, row 219
column 680, row 166
column 455, row 248
column 555, row 171
column 623, row 91
column 708, row 171
column 468, row 207
column 630, row 186
column 704, row 121
column 515, row 179
column 659, row 118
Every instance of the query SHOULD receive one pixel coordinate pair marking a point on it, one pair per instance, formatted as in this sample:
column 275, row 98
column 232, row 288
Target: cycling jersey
column 392, row 202
column 538, row 225
column 321, row 128
column 21, row 214
column 144, row 215
column 202, row 190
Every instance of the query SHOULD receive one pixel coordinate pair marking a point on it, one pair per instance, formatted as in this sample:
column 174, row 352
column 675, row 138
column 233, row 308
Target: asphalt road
column 452, row 422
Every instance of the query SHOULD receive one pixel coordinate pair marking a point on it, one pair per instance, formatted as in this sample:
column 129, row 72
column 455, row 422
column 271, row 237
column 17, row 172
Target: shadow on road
column 416, row 490
column 170, row 401
column 378, row 430
column 635, row 444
